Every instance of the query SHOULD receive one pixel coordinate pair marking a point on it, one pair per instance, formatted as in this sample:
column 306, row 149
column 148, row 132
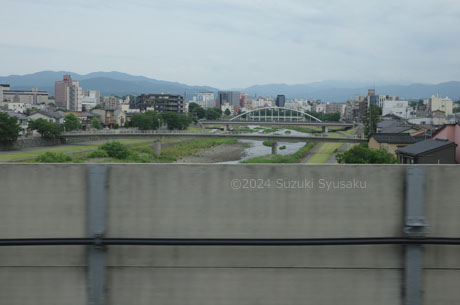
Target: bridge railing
column 134, row 131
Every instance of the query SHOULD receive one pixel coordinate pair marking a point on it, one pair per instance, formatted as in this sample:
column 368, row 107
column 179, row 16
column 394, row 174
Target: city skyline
column 234, row 44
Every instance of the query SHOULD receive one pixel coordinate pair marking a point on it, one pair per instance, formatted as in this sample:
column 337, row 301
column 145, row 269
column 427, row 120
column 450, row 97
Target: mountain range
column 120, row 84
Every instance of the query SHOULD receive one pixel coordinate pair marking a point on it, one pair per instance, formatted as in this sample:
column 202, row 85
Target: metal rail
column 227, row 241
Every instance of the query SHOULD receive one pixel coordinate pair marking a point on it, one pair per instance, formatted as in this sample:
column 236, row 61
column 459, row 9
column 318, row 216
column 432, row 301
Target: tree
column 361, row 153
column 371, row 119
column 9, row 128
column 227, row 112
column 71, row 122
column 192, row 107
column 115, row 150
column 197, row 110
column 48, row 130
column 176, row 120
column 149, row 120
column 212, row 114
column 96, row 124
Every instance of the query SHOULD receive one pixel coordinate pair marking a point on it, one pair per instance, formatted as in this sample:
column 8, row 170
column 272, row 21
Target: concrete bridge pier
column 226, row 128
column 157, row 147
column 274, row 147
column 325, row 129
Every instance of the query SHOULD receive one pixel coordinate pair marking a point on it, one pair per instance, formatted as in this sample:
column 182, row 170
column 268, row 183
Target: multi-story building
column 90, row 99
column 111, row 102
column 335, row 108
column 68, row 94
column 205, row 99
column 243, row 99
column 438, row 103
column 33, row 96
column 159, row 102
column 280, row 100
column 399, row 108
column 230, row 97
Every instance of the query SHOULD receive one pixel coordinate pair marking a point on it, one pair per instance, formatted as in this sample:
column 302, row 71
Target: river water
column 257, row 149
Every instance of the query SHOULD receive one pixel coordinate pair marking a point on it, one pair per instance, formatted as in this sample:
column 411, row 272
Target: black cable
column 227, row 241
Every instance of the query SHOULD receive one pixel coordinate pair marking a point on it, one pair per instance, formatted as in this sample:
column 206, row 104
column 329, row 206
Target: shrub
column 98, row 153
column 268, row 143
column 52, row 157
column 283, row 147
column 115, row 150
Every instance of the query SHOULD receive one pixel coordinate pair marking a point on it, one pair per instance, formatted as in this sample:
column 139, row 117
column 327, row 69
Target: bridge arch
column 274, row 108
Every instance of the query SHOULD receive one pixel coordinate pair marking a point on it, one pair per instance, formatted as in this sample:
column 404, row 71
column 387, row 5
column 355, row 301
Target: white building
column 33, row 96
column 438, row 103
column 399, row 108
column 226, row 106
column 205, row 99
column 90, row 99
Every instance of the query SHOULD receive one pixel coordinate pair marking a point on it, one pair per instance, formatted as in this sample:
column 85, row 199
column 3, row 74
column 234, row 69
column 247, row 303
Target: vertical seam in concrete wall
column 97, row 179
column 415, row 227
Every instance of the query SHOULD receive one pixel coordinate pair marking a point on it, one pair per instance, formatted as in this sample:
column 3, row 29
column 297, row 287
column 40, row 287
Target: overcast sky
column 236, row 43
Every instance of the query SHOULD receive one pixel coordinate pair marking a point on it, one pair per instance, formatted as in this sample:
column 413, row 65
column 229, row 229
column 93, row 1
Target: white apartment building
column 438, row 103
column 90, row 99
column 399, row 108
column 205, row 99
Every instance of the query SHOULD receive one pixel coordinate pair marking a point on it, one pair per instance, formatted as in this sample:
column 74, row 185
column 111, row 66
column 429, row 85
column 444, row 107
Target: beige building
column 438, row 103
column 33, row 96
column 111, row 117
column 68, row 94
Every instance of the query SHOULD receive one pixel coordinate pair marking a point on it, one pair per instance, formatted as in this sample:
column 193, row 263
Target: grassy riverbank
column 292, row 158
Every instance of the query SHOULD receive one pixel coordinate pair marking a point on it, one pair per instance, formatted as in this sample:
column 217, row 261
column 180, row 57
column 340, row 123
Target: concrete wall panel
column 42, row 286
column 39, row 201
column 198, row 201
column 267, row 286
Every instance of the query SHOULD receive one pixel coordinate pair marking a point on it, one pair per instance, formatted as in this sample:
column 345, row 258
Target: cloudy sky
column 236, row 43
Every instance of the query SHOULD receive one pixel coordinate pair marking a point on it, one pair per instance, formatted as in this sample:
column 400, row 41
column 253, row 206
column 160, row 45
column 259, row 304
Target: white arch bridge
column 275, row 114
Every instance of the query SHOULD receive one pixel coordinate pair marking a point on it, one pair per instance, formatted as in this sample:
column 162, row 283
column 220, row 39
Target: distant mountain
column 328, row 91
column 107, row 82
column 339, row 92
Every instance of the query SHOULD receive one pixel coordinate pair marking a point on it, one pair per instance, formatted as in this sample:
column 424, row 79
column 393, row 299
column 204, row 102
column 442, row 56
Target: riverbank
column 222, row 153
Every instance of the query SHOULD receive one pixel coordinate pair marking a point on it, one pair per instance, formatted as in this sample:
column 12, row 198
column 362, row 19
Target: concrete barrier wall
column 225, row 201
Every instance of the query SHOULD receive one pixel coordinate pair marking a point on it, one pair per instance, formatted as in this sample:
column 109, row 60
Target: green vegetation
column 325, row 151
column 282, row 147
column 53, row 157
column 270, row 130
column 98, row 153
column 149, row 120
column 9, row 128
column 352, row 131
column 361, row 153
column 292, row 158
column 197, row 110
column 73, row 149
column 371, row 120
column 246, row 129
column 115, row 150
column 213, row 113
column 268, row 143
column 47, row 130
column 287, row 132
column 304, row 129
column 328, row 117
column 175, row 152
column 176, row 120
column 96, row 124
column 71, row 122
